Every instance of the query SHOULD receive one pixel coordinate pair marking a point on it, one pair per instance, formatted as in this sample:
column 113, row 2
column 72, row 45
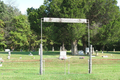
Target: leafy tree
column 102, row 16
column 2, row 42
column 20, row 32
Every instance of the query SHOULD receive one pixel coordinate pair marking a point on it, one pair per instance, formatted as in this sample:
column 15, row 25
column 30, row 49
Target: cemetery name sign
column 65, row 20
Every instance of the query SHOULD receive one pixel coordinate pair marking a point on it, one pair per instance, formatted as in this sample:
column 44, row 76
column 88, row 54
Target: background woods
column 19, row 31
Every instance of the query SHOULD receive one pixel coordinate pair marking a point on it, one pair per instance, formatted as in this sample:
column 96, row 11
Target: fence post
column 90, row 60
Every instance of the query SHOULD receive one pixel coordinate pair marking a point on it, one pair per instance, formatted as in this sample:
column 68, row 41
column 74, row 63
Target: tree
column 73, row 9
column 2, row 42
column 102, row 16
column 20, row 32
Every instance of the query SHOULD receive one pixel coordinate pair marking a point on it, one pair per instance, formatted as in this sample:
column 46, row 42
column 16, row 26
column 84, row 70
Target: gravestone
column 7, row 50
column 63, row 55
column 114, row 50
column 97, row 52
column 0, row 65
column 102, row 52
column 39, row 51
column 30, row 54
column 87, row 50
column 81, row 52
column 8, row 57
column 9, row 53
column 52, row 48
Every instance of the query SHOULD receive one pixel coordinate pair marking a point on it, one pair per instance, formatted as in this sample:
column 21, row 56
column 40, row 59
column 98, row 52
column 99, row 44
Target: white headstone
column 102, row 52
column 97, row 52
column 9, row 53
column 8, row 57
column 86, row 50
column 63, row 55
column 0, row 65
column 7, row 50
column 0, row 59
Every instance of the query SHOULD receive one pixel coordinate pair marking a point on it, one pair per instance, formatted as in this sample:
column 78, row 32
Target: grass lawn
column 21, row 66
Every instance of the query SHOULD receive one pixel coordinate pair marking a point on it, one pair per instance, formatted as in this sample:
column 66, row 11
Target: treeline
column 23, row 32
column 15, row 32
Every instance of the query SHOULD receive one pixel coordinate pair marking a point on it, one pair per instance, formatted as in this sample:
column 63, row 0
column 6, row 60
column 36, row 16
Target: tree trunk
column 103, row 47
column 74, row 47
column 84, row 44
column 63, row 47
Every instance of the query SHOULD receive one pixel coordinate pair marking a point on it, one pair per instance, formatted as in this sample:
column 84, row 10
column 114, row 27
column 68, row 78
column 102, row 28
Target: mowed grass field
column 21, row 66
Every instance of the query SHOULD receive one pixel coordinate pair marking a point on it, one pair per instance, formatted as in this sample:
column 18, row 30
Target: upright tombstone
column 114, row 50
column 39, row 51
column 30, row 54
column 8, row 57
column 97, row 52
column 102, row 52
column 81, row 52
column 52, row 48
column 63, row 55
column 8, row 50
column 87, row 50
column 9, row 53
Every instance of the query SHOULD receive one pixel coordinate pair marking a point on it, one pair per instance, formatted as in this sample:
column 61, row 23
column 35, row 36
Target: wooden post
column 41, row 60
column 90, row 60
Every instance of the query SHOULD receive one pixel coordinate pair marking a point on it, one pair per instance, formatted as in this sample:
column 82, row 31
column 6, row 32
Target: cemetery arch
column 60, row 20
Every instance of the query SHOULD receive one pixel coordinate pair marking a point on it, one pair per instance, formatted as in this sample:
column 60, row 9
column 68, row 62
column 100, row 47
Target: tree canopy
column 23, row 32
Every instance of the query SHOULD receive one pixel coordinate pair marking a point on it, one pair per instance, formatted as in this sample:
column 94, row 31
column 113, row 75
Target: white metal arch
column 60, row 20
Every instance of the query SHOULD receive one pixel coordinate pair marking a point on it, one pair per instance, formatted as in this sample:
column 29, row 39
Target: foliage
column 2, row 42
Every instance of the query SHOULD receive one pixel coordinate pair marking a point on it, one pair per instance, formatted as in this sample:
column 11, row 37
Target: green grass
column 27, row 68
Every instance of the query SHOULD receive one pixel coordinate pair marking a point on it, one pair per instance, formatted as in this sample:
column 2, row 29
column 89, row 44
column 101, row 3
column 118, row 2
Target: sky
column 22, row 5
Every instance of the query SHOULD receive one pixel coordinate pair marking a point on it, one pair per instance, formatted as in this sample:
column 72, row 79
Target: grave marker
column 81, row 52
column 52, row 48
column 8, row 57
column 9, row 53
column 7, row 50
column 63, row 55
column 97, row 52
column 87, row 50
